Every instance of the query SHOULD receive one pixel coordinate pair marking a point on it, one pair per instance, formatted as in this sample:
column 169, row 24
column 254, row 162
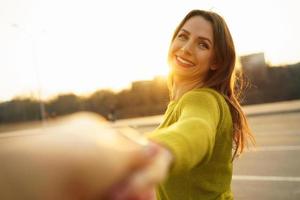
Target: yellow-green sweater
column 197, row 129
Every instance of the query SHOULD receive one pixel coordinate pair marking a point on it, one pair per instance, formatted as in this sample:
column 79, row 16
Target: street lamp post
column 35, row 65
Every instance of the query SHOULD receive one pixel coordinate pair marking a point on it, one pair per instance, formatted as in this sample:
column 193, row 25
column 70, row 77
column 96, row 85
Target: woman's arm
column 191, row 138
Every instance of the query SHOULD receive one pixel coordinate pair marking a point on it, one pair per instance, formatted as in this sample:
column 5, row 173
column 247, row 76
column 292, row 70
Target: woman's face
column 191, row 53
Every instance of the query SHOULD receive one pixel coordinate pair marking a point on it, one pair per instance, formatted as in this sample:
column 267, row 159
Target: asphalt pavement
column 271, row 169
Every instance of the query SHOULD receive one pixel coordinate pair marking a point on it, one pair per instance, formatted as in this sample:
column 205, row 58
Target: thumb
column 145, row 155
column 144, row 151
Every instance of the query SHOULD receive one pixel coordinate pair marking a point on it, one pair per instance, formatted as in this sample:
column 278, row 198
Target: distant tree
column 151, row 97
column 102, row 102
column 19, row 110
column 64, row 104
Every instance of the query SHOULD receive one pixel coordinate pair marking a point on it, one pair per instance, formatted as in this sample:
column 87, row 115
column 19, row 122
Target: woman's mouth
column 184, row 62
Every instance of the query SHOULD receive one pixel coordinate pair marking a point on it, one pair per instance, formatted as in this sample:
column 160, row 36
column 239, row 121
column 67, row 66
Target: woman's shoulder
column 208, row 94
column 205, row 97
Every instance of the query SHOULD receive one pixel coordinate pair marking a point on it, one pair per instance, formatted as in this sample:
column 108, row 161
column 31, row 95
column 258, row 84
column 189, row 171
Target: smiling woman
column 191, row 52
column 204, row 120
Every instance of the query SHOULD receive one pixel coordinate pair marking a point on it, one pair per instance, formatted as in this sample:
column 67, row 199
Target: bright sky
column 59, row 46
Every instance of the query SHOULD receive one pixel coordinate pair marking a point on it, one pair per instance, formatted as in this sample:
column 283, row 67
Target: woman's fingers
column 137, row 184
column 145, row 156
column 139, row 160
column 153, row 173
column 126, row 194
column 147, row 195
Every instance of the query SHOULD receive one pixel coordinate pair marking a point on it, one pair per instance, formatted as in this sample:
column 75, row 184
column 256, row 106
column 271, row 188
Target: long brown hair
column 224, row 79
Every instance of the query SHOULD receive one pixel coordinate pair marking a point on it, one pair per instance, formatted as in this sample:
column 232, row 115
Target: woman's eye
column 182, row 37
column 203, row 45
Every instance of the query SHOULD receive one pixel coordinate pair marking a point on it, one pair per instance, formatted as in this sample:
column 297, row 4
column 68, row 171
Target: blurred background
column 110, row 57
column 60, row 57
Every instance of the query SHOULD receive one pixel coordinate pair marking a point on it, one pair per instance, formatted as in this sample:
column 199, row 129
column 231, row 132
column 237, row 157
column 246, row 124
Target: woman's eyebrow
column 184, row 31
column 199, row 37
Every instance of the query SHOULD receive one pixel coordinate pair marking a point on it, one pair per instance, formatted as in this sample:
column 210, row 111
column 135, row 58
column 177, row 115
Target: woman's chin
column 179, row 75
column 181, row 71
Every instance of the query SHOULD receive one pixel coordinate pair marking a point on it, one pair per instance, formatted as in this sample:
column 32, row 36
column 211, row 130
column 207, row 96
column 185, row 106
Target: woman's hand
column 140, row 185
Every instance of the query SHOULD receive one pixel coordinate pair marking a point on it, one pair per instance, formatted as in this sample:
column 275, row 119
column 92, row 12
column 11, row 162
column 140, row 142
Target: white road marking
column 266, row 178
column 275, row 148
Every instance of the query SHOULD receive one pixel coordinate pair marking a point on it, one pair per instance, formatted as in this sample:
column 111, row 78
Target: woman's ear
column 214, row 64
column 213, row 67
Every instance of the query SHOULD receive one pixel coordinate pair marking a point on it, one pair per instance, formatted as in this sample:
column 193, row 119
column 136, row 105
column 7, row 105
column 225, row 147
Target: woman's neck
column 181, row 87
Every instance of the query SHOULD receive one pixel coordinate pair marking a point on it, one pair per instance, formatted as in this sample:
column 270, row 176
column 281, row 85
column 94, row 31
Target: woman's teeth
column 186, row 62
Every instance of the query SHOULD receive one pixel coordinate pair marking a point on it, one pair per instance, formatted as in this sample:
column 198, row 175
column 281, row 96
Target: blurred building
column 270, row 83
column 254, row 65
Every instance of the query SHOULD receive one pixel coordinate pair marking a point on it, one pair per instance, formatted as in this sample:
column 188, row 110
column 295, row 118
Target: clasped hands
column 93, row 165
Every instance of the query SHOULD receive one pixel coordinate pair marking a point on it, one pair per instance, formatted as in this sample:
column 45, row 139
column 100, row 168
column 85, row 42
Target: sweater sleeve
column 191, row 138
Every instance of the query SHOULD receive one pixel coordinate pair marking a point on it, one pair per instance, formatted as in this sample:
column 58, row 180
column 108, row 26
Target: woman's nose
column 187, row 47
